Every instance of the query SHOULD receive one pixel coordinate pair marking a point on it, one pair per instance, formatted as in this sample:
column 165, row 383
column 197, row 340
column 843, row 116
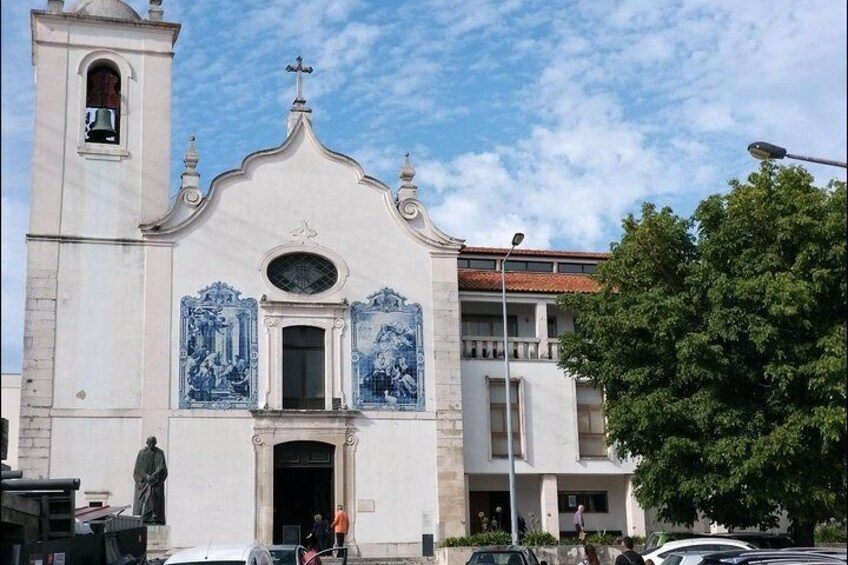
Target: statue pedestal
column 158, row 541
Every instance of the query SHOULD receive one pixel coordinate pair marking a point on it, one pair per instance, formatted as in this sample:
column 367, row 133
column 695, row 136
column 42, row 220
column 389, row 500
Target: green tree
column 720, row 344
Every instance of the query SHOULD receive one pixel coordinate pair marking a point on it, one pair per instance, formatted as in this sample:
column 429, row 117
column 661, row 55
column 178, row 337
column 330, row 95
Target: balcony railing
column 521, row 348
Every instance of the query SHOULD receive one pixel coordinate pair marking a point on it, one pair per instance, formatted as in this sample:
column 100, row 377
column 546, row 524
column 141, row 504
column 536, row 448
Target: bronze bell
column 102, row 126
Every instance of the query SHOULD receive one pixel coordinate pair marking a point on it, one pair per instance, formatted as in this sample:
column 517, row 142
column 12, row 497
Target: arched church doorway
column 303, row 487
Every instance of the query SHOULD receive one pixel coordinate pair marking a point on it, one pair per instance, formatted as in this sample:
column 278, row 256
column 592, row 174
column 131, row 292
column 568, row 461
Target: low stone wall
column 553, row 555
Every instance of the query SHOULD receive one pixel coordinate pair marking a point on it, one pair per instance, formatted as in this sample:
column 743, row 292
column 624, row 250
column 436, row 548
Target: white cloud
column 554, row 119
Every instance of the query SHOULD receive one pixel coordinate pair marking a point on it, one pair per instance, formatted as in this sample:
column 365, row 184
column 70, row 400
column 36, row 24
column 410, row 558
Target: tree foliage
column 719, row 341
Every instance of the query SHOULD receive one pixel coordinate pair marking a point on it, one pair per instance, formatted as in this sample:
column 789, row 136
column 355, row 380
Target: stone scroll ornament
column 218, row 350
column 388, row 353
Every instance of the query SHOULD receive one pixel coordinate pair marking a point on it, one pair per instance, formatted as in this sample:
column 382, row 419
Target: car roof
column 495, row 548
column 222, row 552
column 771, row 556
column 820, row 549
column 670, row 546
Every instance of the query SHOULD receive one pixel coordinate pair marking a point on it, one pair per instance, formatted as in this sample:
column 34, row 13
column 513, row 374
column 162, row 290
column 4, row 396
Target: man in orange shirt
column 340, row 525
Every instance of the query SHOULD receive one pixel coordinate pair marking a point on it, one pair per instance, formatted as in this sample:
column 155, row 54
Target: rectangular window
column 590, row 421
column 497, row 418
column 533, row 266
column 592, row 501
column 481, row 264
column 488, row 325
column 577, row 268
column 552, row 327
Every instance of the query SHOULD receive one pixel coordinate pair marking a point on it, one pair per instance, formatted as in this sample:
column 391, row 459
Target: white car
column 688, row 558
column 236, row 554
column 700, row 545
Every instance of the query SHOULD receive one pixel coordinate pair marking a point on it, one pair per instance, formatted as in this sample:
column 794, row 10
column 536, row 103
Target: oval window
column 302, row 273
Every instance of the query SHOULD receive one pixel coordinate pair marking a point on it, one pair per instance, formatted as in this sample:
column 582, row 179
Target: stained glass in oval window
column 302, row 273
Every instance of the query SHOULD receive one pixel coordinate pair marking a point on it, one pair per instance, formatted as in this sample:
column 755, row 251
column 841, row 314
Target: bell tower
column 100, row 167
column 102, row 141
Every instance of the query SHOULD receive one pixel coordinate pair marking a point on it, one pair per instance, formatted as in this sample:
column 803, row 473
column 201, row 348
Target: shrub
column 600, row 538
column 537, row 538
column 832, row 532
column 497, row 537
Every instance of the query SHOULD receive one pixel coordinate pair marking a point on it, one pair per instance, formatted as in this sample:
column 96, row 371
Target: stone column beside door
column 549, row 505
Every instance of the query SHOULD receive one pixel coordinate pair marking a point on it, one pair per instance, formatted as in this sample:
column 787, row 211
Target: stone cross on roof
column 299, row 69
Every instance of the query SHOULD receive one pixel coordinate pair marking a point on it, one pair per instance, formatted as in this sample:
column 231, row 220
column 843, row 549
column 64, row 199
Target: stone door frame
column 273, row 427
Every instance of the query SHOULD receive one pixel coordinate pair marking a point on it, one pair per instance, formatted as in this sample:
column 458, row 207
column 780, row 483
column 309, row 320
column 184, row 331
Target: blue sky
column 553, row 118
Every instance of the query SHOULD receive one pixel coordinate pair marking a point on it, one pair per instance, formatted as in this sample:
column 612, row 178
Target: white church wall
column 99, row 320
column 100, row 452
column 210, row 487
column 253, row 215
column 396, row 476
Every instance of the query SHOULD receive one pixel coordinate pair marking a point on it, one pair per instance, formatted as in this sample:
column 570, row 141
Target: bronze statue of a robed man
column 150, row 473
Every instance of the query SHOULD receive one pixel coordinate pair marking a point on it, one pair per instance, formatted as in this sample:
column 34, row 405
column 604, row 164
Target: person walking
column 628, row 556
column 319, row 533
column 340, row 526
column 579, row 523
column 591, row 555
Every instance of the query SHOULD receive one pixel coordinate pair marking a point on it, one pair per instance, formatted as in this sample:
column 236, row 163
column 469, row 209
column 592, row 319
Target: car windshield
column 283, row 556
column 496, row 558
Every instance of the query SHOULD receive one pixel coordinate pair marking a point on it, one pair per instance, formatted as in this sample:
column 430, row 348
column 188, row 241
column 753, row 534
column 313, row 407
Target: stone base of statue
column 158, row 540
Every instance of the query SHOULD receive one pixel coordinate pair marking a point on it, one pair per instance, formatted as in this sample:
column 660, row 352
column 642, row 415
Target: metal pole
column 513, row 510
column 819, row 160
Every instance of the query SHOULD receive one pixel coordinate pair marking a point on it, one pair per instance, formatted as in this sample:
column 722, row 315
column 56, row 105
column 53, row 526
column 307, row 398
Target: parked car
column 771, row 556
column 504, row 555
column 234, row 554
column 292, row 554
column 658, row 539
column 702, row 544
column 287, row 554
column 691, row 558
column 843, row 551
column 763, row 540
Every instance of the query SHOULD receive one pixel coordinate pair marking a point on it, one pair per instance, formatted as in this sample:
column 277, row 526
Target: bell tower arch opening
column 303, row 487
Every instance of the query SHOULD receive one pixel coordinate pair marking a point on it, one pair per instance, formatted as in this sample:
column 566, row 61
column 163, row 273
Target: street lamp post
column 510, row 452
column 765, row 150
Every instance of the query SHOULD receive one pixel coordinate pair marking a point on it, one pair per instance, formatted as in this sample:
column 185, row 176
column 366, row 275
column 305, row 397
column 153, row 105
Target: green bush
column 536, row 539
column 496, row 537
column 832, row 532
column 600, row 538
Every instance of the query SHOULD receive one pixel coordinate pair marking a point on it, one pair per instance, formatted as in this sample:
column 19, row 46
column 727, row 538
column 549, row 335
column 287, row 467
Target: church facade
column 296, row 336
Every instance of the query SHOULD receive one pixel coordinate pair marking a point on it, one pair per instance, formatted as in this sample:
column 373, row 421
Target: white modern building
column 295, row 333
column 10, row 407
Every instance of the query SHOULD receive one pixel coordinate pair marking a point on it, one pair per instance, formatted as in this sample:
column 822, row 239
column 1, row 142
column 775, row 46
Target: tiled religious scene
column 218, row 349
column 388, row 354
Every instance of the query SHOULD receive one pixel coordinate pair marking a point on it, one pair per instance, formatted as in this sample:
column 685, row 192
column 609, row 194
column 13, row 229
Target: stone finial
column 191, row 157
column 55, row 6
column 407, row 189
column 155, row 13
column 190, row 179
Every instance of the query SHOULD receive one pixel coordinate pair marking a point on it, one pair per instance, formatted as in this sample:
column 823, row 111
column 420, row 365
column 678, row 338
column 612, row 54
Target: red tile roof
column 501, row 251
column 555, row 283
